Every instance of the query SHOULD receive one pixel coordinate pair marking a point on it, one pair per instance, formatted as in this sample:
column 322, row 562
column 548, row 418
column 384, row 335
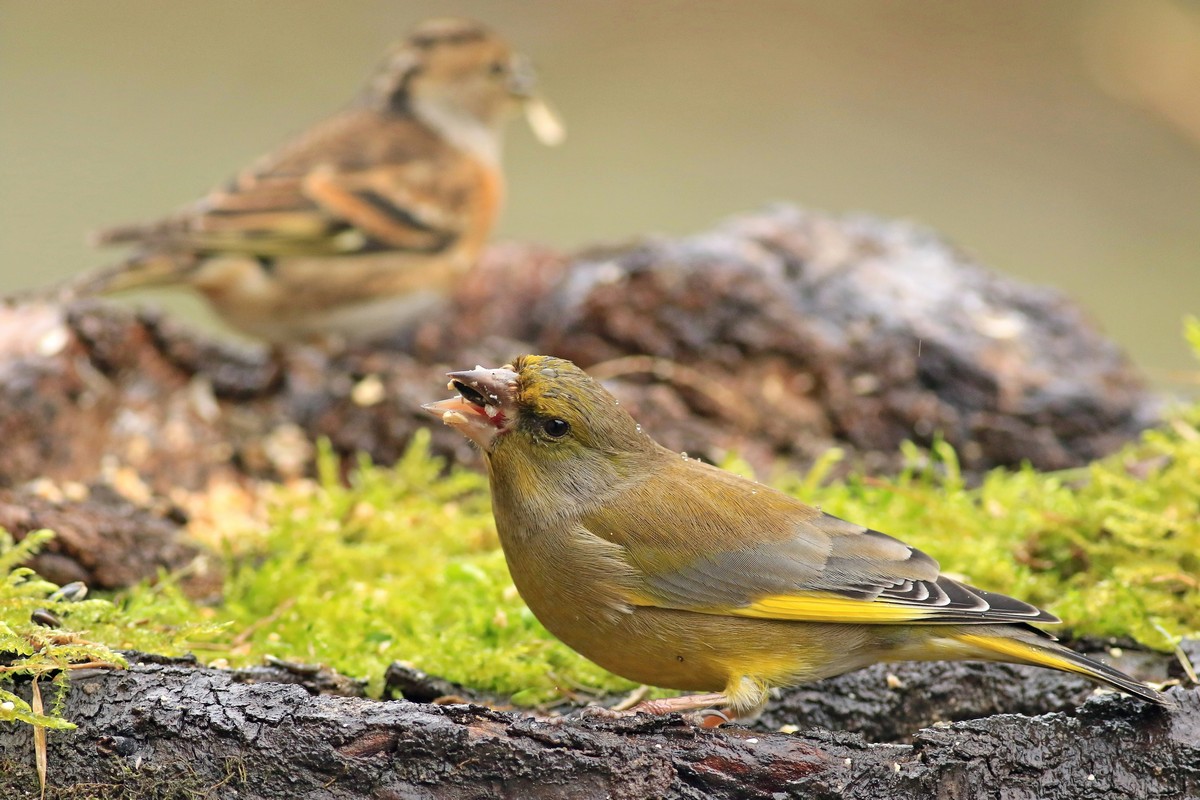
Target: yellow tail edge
column 1043, row 653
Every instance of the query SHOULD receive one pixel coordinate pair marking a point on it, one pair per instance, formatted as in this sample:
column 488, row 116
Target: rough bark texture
column 173, row 731
column 102, row 539
column 884, row 702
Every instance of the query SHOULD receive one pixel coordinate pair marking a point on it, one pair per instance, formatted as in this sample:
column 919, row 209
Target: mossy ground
column 404, row 563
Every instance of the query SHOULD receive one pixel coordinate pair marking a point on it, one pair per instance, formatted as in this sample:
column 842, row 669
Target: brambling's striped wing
column 360, row 182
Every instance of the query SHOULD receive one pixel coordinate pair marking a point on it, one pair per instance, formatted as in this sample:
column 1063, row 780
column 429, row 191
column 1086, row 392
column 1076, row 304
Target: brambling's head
column 454, row 72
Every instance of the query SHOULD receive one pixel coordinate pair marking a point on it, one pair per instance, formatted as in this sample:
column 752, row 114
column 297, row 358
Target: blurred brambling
column 356, row 226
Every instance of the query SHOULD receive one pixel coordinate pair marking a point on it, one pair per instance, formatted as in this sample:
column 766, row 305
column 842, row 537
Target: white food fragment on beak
column 491, row 411
column 544, row 121
column 451, row 417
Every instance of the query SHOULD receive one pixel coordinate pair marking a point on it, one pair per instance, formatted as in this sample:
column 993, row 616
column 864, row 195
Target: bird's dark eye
column 556, row 428
column 498, row 68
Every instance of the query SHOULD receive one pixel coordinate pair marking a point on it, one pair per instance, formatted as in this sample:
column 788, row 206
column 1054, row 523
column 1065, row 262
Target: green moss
column 89, row 631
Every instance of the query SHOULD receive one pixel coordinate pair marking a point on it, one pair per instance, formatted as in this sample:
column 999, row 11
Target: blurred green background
column 1058, row 142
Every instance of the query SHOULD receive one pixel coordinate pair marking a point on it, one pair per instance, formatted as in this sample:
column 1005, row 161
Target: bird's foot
column 696, row 709
column 703, row 714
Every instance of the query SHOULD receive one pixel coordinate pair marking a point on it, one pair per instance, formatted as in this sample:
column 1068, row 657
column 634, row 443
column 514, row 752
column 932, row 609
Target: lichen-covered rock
column 777, row 335
column 787, row 332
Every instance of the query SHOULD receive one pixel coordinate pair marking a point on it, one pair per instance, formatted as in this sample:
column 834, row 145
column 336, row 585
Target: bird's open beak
column 484, row 407
column 543, row 120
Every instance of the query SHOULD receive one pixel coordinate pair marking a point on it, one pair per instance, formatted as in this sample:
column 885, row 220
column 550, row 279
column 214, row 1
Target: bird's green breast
column 583, row 589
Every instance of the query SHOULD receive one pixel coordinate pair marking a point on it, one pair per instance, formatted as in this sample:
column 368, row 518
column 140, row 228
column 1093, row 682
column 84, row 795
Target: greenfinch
column 359, row 224
column 671, row 572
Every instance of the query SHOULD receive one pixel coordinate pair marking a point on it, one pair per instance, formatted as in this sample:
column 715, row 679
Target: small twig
column 249, row 630
column 1177, row 577
column 80, row 665
column 39, row 736
column 632, row 699
column 94, row 665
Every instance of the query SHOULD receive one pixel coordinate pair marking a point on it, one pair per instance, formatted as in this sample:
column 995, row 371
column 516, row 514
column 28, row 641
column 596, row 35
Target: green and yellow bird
column 674, row 573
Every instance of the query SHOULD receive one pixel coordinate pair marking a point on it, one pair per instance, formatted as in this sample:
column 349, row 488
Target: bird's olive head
column 544, row 420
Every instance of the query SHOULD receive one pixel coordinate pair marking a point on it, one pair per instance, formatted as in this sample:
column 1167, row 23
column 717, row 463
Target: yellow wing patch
column 824, row 607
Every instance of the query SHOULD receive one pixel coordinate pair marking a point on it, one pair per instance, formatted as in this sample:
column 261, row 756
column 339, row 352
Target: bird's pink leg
column 709, row 717
column 687, row 702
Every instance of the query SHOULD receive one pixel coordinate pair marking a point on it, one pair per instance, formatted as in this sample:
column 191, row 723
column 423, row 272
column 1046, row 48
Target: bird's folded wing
column 820, row 569
column 259, row 215
column 325, row 211
column 400, row 207
column 337, row 190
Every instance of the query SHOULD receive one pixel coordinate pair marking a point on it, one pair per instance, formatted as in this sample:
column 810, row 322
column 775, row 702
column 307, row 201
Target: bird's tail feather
column 133, row 233
column 134, row 273
column 1025, row 647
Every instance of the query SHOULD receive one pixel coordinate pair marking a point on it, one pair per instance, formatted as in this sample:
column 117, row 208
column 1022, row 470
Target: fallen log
column 160, row 730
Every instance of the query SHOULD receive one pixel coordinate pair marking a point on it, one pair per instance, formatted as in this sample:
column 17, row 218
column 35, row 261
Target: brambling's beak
column 543, row 119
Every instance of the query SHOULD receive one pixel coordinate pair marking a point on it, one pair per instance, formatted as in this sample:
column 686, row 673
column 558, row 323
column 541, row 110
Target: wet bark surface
column 163, row 730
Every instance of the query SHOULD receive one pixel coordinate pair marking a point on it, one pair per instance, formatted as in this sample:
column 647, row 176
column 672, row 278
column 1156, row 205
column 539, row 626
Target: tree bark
column 173, row 731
